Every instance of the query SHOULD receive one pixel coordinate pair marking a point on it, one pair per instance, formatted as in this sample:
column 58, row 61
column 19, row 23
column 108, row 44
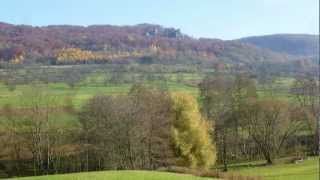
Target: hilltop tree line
column 144, row 43
column 55, row 43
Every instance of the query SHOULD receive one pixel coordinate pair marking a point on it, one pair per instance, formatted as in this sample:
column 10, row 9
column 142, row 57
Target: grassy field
column 307, row 170
column 118, row 175
column 94, row 85
column 82, row 93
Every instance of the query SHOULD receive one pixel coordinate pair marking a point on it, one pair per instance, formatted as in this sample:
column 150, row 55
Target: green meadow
column 94, row 85
column 306, row 170
column 118, row 175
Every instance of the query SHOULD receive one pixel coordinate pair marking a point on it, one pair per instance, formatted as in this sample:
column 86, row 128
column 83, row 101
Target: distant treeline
column 144, row 44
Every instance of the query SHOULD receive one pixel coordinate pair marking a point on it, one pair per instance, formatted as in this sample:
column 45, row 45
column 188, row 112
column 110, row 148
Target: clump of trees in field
column 250, row 127
column 270, row 123
column 146, row 129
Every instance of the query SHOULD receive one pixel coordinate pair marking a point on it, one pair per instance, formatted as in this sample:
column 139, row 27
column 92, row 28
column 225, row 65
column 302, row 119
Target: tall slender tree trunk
column 267, row 156
column 225, row 162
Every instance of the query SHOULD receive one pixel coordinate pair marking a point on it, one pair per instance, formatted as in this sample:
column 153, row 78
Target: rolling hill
column 294, row 44
column 149, row 44
column 67, row 44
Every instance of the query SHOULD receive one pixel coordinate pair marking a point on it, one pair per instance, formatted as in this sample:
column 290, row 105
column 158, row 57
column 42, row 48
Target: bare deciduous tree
column 270, row 124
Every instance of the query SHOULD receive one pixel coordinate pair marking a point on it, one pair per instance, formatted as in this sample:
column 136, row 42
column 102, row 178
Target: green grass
column 94, row 84
column 117, row 175
column 85, row 91
column 307, row 170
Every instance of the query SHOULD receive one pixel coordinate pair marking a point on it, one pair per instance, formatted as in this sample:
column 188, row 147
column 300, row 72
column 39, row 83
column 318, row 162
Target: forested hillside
column 295, row 44
column 144, row 43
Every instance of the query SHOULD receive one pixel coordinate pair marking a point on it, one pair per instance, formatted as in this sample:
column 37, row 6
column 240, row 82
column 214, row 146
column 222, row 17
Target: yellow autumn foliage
column 191, row 133
column 78, row 55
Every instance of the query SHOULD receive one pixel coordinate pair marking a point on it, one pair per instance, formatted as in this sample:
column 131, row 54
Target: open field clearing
column 94, row 85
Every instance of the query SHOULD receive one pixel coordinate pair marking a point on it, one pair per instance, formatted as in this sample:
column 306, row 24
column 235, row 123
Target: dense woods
column 147, row 44
column 56, row 43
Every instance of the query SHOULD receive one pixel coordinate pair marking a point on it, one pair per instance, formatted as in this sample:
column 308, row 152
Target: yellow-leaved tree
column 191, row 134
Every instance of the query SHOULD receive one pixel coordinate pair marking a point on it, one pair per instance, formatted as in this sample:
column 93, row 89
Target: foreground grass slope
column 307, row 170
column 118, row 175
